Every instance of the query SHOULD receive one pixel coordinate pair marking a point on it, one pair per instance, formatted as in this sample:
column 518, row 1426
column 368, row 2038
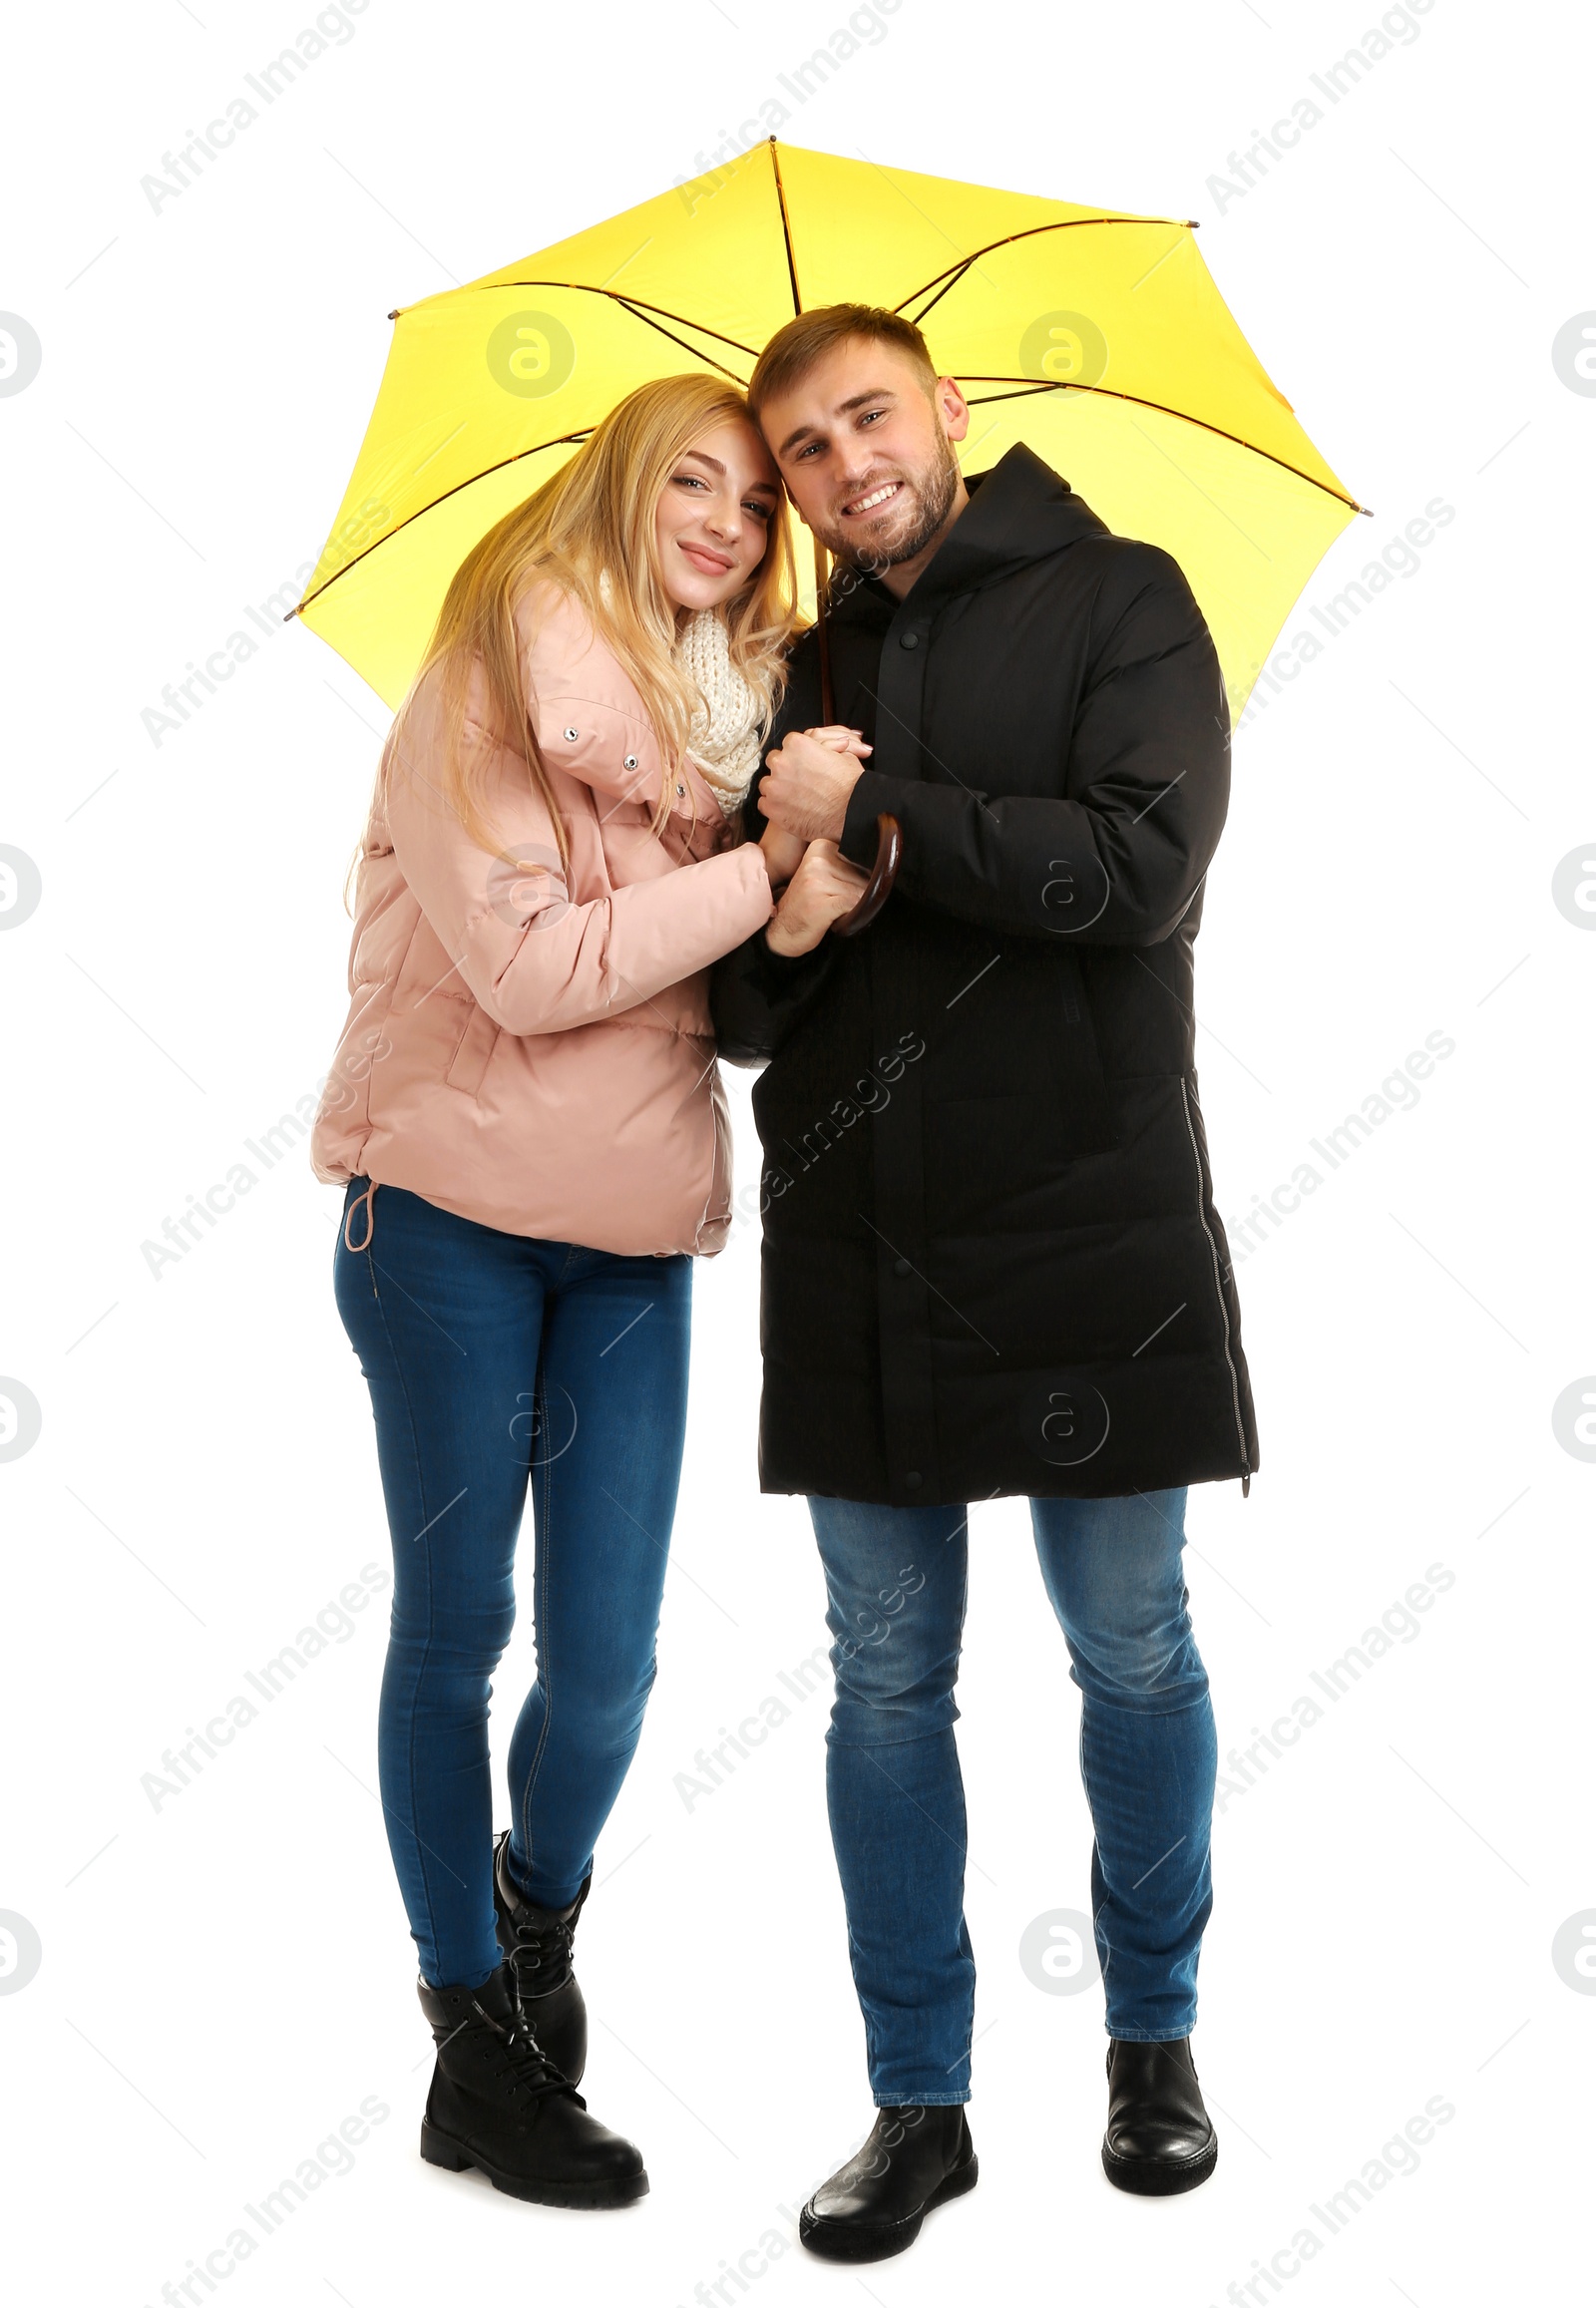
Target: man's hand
column 810, row 778
column 824, row 889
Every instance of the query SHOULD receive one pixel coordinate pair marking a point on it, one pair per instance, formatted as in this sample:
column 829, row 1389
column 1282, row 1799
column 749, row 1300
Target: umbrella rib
column 954, row 279
column 1062, row 225
column 1028, row 389
column 557, row 441
column 786, row 228
column 642, row 314
column 627, row 304
column 615, row 295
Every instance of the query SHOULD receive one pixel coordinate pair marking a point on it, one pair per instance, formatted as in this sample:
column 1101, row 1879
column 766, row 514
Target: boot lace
column 522, row 2065
column 543, row 1948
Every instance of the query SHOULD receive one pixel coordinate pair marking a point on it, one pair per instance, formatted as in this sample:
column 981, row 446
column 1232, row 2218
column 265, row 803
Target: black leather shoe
column 1159, row 2140
column 537, row 1940
column 914, row 2159
column 500, row 2103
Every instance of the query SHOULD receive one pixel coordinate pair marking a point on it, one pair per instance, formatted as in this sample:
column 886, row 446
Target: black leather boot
column 1159, row 2139
column 914, row 2159
column 499, row 2102
column 537, row 1941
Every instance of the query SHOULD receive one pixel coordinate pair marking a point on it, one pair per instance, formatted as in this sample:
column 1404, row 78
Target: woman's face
column 713, row 518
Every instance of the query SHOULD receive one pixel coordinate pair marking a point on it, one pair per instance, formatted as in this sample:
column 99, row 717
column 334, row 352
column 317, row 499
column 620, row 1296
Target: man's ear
column 953, row 408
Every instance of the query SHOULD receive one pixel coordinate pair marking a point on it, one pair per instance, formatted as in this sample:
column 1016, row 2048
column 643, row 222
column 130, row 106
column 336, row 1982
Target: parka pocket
column 479, row 1038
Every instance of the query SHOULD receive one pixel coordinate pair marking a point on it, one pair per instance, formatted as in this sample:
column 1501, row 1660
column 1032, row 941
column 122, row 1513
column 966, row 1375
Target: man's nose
column 855, row 467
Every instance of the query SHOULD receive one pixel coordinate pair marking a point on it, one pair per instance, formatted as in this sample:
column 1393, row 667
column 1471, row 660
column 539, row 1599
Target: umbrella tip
column 394, row 315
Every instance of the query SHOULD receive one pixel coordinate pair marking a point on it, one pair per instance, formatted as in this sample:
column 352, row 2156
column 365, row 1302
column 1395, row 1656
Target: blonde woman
column 525, row 1109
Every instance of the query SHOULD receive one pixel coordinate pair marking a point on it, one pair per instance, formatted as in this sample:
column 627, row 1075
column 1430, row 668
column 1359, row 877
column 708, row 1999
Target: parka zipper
column 1219, row 1291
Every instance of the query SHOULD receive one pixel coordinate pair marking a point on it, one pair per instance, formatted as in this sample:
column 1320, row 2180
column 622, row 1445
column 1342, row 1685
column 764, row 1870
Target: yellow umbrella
column 1098, row 338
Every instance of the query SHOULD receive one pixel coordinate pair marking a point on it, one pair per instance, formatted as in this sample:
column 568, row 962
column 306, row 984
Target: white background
column 224, row 1980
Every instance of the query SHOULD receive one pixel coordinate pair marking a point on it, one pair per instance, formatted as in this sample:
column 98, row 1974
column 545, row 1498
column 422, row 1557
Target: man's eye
column 871, row 415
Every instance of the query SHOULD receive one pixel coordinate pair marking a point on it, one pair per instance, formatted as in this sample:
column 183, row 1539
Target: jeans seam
column 542, row 1619
column 926, row 2099
column 425, row 1649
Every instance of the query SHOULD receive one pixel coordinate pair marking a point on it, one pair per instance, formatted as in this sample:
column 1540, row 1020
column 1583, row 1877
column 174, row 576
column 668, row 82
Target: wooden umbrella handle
column 888, row 856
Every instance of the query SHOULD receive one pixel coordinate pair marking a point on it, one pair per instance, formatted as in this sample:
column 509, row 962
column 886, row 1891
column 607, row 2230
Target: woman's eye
column 761, row 510
column 690, row 481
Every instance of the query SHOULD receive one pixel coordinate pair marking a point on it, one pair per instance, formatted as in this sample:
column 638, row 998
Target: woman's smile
column 705, row 558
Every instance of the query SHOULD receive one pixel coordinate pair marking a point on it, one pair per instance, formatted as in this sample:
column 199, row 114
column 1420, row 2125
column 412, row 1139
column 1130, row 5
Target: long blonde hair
column 591, row 528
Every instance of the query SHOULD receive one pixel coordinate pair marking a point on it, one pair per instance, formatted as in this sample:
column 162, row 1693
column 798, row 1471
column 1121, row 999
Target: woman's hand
column 824, row 889
column 842, row 740
column 783, row 854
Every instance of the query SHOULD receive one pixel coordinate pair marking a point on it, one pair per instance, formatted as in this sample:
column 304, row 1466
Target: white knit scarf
column 723, row 737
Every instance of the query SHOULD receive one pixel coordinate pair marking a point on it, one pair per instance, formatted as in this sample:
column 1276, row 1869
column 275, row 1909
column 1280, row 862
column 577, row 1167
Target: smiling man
column 993, row 1263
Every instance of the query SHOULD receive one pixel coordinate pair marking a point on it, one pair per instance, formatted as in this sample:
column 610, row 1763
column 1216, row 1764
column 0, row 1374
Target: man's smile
column 881, row 494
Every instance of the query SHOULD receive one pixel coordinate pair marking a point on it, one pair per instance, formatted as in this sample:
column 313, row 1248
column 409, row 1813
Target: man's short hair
column 804, row 342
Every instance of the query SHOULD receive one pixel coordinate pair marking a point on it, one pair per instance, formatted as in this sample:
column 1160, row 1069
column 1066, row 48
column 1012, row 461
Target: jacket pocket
column 478, row 1037
column 1089, row 1122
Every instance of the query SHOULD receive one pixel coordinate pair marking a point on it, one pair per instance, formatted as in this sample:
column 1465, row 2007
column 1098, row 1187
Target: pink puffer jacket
column 534, row 1055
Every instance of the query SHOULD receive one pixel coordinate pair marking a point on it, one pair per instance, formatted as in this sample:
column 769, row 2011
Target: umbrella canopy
column 1099, row 338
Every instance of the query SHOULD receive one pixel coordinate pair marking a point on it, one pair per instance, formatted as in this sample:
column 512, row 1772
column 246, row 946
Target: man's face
column 866, row 454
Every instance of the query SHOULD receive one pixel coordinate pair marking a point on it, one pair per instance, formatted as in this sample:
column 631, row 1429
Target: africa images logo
column 1063, row 348
column 531, row 355
column 20, row 353
column 1574, row 353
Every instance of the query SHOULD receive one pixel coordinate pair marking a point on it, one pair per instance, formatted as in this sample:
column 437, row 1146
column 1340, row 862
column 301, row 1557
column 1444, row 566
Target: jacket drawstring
column 371, row 1218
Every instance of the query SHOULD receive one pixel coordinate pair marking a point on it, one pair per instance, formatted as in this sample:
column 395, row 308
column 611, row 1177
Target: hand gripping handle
column 888, row 855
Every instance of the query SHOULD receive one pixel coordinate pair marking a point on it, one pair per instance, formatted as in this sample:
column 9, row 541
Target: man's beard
column 935, row 489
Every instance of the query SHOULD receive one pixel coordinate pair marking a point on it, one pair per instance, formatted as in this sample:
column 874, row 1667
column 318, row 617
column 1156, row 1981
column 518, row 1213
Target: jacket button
column 570, row 737
column 630, row 761
column 914, row 1481
column 901, row 1266
column 680, row 791
column 909, row 640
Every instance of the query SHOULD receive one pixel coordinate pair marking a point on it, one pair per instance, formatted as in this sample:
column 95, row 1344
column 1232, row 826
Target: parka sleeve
column 534, row 961
column 756, row 997
column 1148, row 768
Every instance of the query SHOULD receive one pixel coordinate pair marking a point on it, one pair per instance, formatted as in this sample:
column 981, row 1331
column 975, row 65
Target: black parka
column 992, row 1259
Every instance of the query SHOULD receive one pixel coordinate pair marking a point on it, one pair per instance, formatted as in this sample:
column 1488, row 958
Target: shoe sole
column 833, row 2241
column 1143, row 2176
column 568, row 2195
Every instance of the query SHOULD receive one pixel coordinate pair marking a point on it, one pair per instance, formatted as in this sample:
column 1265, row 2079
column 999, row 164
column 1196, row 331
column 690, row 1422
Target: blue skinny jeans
column 496, row 1360
column 896, row 1584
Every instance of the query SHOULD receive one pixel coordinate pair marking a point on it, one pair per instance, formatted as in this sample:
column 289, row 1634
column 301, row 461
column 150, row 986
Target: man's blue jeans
column 494, row 1359
column 896, row 1579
